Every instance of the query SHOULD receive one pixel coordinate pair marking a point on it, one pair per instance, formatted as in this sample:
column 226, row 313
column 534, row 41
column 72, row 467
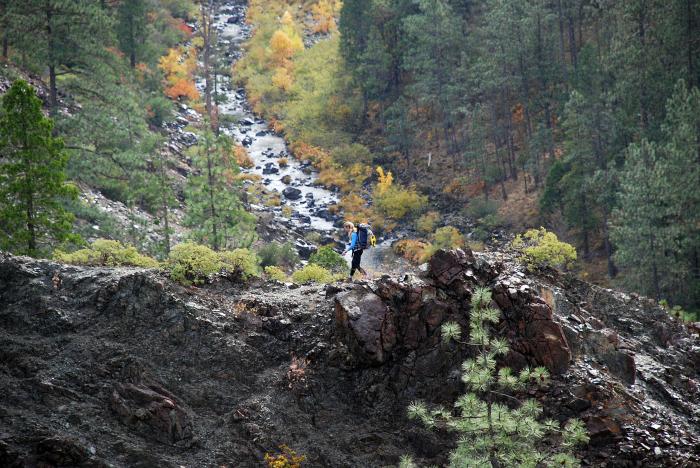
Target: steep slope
column 122, row 367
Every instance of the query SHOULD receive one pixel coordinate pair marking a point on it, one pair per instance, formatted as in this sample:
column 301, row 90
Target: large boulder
column 531, row 328
column 152, row 411
column 291, row 193
column 364, row 320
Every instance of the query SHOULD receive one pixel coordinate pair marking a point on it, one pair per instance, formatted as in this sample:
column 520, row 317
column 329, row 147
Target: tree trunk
column 572, row 42
column 53, row 94
column 692, row 79
column 654, row 270
column 206, row 34
column 643, row 111
column 562, row 47
column 612, row 269
column 212, row 207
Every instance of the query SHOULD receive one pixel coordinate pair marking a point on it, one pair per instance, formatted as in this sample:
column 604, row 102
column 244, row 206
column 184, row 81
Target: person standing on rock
column 355, row 246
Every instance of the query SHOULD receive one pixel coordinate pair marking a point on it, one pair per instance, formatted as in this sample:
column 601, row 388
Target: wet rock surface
column 121, row 367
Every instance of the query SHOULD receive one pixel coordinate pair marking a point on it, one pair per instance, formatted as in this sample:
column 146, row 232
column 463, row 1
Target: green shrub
column 347, row 155
column 448, row 237
column 540, row 248
column 426, row 223
column 192, row 263
column 481, row 234
column 160, row 109
column 277, row 254
column 491, row 222
column 106, row 252
column 397, row 202
column 275, row 273
column 329, row 259
column 312, row 273
column 313, row 236
column 480, row 208
column 241, row 261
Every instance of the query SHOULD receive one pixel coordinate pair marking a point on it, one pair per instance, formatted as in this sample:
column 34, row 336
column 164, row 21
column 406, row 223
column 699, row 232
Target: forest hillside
column 516, row 181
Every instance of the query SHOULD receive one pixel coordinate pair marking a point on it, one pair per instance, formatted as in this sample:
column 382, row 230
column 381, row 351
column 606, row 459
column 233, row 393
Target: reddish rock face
column 531, row 327
column 406, row 315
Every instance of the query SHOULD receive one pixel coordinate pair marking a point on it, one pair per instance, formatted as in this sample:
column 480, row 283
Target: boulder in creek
column 291, row 193
column 270, row 168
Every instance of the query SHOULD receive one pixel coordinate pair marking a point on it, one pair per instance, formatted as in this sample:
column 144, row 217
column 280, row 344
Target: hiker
column 359, row 240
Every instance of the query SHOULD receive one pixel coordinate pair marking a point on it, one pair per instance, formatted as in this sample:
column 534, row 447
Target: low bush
column 426, row 223
column 397, row 202
column 412, row 250
column 329, row 259
column 240, row 261
column 243, row 159
column 481, row 207
column 287, row 458
column 448, row 237
column 541, row 248
column 312, row 273
column 276, row 254
column 192, row 263
column 314, row 236
column 347, row 155
column 106, row 252
column 491, row 222
column 275, row 273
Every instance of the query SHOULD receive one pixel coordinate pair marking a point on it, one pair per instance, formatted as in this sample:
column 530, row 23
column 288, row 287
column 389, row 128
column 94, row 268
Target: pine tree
column 32, row 176
column 640, row 229
column 66, row 36
column 131, row 27
column 214, row 210
column 495, row 427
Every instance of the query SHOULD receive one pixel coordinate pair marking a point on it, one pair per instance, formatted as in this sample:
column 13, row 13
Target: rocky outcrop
column 417, row 308
column 121, row 367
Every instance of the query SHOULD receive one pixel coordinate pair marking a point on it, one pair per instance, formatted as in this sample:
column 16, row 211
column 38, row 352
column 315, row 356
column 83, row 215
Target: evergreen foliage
column 33, row 184
column 495, row 425
column 214, row 211
column 276, row 254
column 329, row 259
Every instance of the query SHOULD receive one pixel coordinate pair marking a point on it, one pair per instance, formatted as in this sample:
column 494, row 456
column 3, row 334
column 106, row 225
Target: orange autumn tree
column 179, row 66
